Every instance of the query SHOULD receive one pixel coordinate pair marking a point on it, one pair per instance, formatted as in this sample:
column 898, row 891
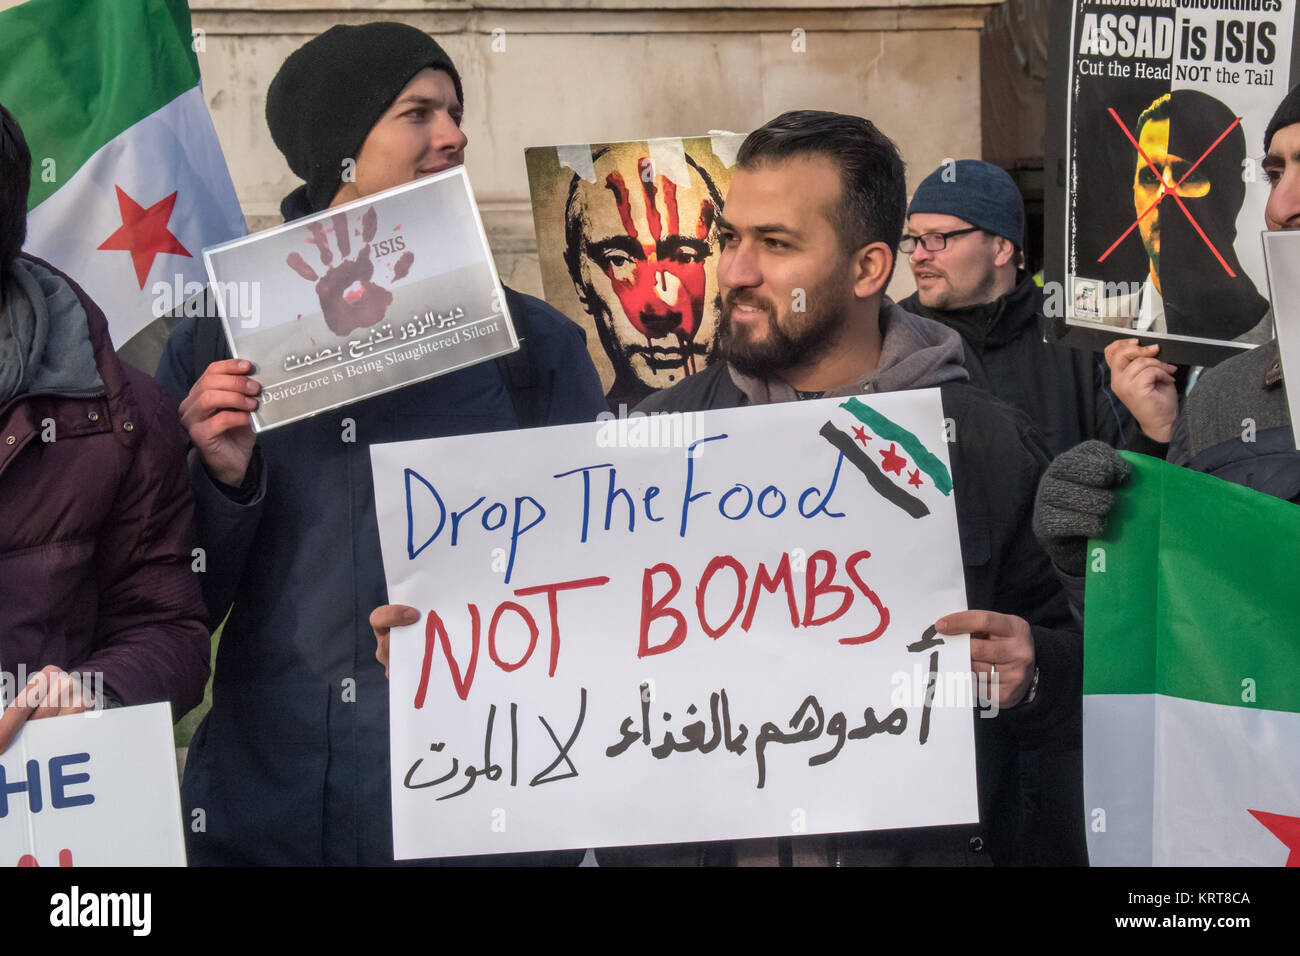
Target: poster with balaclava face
column 1164, row 195
column 627, row 240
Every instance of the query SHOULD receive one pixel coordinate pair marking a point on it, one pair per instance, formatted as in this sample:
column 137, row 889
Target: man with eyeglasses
column 964, row 235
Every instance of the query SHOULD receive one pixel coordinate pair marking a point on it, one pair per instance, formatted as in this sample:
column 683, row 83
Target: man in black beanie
column 965, row 233
column 360, row 109
column 1077, row 492
column 291, row 765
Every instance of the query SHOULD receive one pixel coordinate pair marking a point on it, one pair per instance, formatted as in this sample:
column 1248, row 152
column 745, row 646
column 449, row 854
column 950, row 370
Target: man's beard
column 780, row 349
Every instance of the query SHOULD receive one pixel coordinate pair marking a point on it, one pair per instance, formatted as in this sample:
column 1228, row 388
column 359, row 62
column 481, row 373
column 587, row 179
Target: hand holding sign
column 679, row 638
column 1000, row 645
column 383, row 619
column 1145, row 385
column 217, row 415
column 49, row 693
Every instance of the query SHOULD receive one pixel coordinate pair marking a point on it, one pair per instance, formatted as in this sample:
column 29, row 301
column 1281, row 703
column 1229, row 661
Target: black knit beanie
column 1287, row 113
column 331, row 91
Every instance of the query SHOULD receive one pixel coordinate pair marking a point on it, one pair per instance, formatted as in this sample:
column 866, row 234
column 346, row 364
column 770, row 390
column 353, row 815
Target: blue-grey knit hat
column 978, row 192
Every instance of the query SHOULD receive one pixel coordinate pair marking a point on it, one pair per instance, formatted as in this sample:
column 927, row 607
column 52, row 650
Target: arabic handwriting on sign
column 814, row 723
column 436, row 747
column 693, row 734
column 769, row 733
column 929, row 639
column 808, row 723
column 493, row 771
column 836, row 727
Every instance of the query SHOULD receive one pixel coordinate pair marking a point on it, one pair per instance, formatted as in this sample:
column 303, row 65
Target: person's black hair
column 873, row 199
column 15, row 180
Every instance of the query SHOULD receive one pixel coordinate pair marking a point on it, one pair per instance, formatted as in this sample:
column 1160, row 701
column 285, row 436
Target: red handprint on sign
column 348, row 298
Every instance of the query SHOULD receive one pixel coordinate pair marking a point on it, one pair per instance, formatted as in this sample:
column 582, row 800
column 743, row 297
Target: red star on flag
column 860, row 434
column 892, row 461
column 144, row 233
column 1286, row 829
column 914, row 478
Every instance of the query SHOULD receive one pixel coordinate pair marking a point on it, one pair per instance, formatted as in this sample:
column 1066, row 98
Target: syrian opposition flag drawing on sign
column 128, row 180
column 879, row 448
column 1191, row 707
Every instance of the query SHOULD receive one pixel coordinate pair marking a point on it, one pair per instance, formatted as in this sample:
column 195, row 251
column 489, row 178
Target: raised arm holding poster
column 1160, row 194
column 677, row 628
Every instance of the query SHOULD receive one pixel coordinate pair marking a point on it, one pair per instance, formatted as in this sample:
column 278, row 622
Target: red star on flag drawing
column 860, row 434
column 914, row 478
column 144, row 233
column 1286, row 829
column 892, row 461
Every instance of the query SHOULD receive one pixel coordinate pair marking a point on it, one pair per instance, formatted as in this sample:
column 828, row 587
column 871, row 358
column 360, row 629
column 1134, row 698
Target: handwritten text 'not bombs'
column 832, row 584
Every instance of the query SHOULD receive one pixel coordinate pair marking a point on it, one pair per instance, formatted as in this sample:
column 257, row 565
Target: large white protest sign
column 726, row 634
column 93, row 789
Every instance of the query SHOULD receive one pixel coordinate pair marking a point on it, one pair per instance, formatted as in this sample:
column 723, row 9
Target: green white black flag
column 128, row 179
column 1191, row 681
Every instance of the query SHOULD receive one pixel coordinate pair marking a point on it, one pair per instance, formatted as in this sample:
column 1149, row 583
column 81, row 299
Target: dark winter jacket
column 1065, row 391
column 997, row 459
column 1236, row 425
column 96, row 516
column 292, row 764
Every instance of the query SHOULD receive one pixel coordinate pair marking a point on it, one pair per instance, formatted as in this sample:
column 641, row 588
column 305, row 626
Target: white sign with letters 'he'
column 681, row 628
column 93, row 789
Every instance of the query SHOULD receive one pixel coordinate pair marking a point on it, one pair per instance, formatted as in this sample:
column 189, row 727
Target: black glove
column 1074, row 502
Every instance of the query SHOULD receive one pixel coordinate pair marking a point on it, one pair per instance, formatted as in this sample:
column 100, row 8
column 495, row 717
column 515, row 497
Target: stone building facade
column 541, row 72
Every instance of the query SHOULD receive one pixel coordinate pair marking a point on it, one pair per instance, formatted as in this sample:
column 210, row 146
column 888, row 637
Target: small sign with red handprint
column 362, row 299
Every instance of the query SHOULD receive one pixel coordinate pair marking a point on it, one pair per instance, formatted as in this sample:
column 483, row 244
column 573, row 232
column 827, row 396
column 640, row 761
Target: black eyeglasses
column 933, row 241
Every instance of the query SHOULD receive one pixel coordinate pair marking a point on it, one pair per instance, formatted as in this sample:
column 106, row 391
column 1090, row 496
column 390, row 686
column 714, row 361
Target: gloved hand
column 1074, row 502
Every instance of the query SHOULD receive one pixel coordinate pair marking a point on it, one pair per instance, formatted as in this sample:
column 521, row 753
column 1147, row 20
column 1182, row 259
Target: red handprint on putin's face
column 348, row 298
column 658, row 278
column 639, row 245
